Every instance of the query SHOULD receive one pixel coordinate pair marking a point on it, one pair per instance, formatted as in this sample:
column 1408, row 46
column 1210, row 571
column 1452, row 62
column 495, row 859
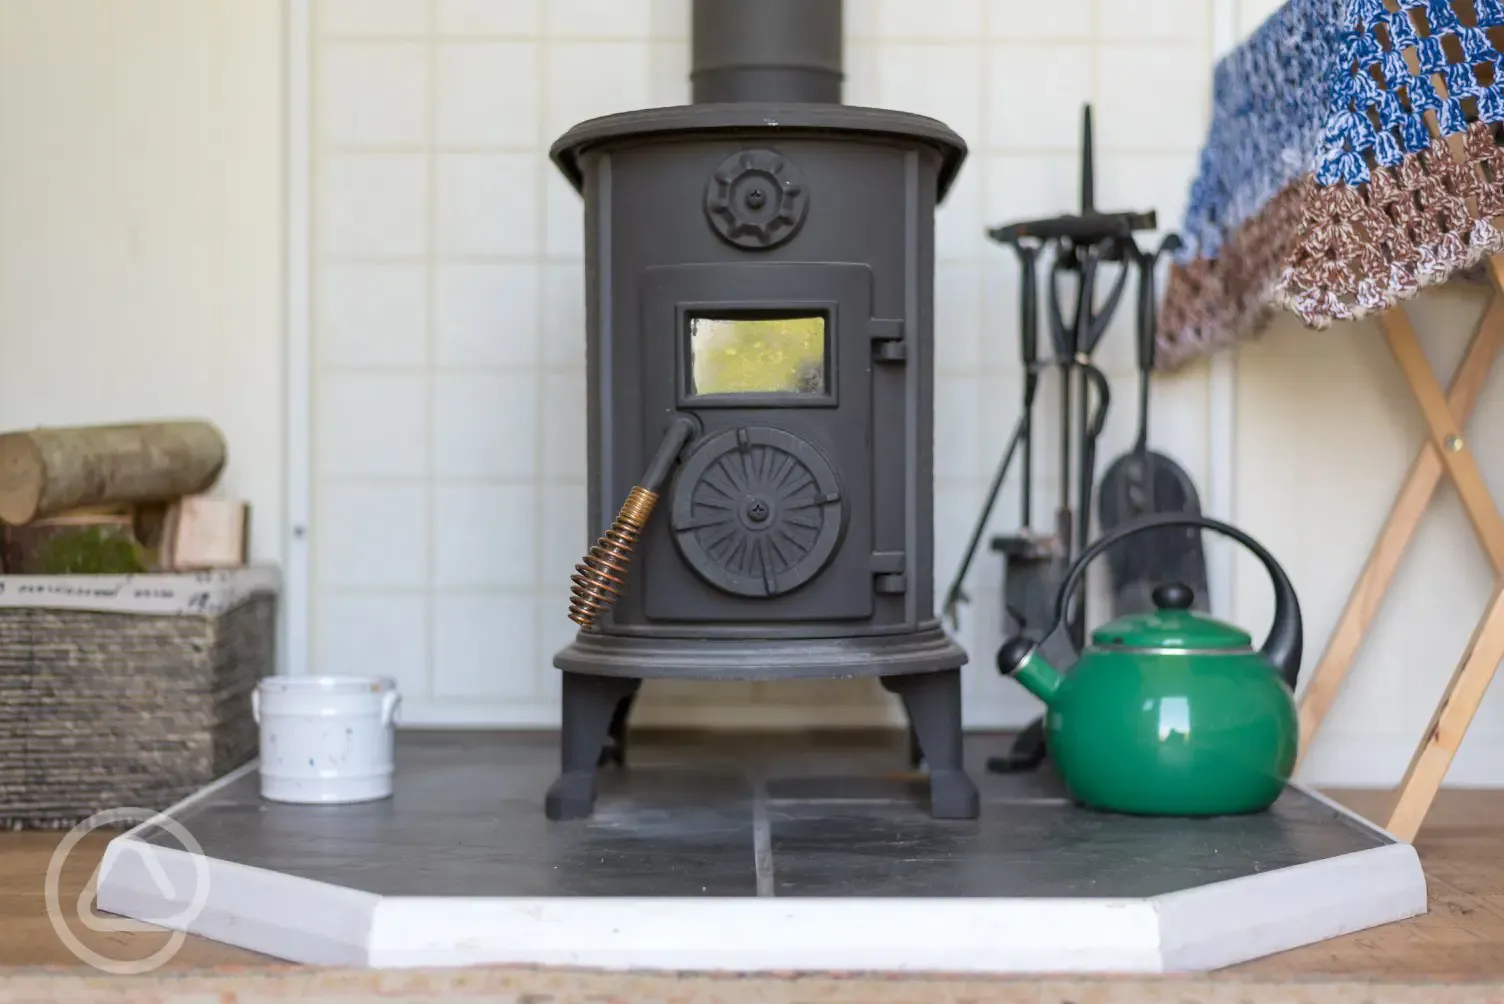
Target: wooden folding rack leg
column 1444, row 452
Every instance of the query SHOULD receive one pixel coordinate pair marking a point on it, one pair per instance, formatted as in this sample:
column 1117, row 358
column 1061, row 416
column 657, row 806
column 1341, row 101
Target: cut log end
column 23, row 476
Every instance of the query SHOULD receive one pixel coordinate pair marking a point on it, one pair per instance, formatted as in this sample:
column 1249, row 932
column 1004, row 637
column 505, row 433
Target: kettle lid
column 1172, row 626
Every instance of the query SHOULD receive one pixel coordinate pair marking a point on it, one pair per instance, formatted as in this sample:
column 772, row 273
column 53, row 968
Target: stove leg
column 591, row 705
column 933, row 703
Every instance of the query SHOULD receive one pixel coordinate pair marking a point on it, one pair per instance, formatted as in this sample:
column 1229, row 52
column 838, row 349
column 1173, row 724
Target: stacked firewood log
column 116, row 499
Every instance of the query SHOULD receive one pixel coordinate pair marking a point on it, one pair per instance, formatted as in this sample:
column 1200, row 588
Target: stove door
column 769, row 514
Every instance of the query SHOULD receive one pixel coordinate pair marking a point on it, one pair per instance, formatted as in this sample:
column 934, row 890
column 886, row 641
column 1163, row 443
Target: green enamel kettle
column 1171, row 712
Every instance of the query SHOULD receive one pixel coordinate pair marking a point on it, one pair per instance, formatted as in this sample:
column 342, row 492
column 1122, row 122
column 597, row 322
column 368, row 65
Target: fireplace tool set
column 1138, row 484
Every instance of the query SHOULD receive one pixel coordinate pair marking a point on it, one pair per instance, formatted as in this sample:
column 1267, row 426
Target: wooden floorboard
column 1461, row 938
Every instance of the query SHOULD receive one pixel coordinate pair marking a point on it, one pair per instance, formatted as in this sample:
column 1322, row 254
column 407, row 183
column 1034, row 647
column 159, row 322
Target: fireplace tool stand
column 1034, row 562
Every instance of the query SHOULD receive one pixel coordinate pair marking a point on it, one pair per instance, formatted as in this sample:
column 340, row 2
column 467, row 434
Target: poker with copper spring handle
column 600, row 577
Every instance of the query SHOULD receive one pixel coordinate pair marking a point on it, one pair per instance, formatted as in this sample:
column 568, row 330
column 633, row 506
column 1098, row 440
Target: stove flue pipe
column 772, row 51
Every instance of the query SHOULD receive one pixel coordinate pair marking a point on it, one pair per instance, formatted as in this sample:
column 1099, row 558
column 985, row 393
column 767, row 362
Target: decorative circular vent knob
column 757, row 511
column 756, row 199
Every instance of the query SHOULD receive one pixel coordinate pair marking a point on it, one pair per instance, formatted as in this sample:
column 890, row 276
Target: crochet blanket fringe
column 1353, row 159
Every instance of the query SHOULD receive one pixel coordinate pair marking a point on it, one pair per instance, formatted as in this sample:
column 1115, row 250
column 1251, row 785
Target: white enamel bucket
column 326, row 739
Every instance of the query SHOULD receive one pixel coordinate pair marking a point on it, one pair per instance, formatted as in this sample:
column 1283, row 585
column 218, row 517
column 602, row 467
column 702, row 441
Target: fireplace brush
column 601, row 575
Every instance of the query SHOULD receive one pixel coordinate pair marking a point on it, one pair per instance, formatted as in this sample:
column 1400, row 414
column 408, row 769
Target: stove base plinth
column 926, row 650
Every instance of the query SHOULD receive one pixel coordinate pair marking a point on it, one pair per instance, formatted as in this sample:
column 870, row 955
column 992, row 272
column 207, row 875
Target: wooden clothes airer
column 1402, row 189
column 1445, row 452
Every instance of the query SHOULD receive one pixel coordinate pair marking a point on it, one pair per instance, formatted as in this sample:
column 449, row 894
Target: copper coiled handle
column 600, row 577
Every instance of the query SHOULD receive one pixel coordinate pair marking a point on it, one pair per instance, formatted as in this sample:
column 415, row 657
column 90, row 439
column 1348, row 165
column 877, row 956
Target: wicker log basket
column 127, row 691
column 124, row 682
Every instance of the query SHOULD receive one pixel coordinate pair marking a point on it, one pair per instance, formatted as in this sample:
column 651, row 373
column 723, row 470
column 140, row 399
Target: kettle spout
column 1020, row 659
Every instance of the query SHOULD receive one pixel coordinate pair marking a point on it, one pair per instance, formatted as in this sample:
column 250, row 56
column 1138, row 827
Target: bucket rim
column 326, row 684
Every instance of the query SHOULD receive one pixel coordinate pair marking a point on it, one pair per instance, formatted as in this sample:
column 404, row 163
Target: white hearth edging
column 318, row 923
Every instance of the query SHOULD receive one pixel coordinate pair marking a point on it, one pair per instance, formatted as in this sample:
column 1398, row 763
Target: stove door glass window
column 758, row 355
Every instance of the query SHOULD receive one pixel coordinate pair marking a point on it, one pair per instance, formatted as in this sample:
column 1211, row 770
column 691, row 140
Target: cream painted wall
column 141, row 224
column 1326, row 430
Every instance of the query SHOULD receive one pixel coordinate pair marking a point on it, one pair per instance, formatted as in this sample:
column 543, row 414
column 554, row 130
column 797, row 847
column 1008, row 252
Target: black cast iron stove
column 759, row 283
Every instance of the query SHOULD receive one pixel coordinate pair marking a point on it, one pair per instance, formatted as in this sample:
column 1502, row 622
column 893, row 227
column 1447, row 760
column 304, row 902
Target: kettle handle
column 1283, row 645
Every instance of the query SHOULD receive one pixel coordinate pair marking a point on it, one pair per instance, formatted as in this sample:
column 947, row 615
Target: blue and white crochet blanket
column 1352, row 159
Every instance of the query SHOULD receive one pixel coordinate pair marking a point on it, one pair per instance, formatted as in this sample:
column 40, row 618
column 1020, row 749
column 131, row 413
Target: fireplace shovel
column 1143, row 483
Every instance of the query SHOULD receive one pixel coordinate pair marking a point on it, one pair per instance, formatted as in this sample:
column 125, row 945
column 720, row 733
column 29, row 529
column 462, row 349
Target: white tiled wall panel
column 486, row 94
column 449, row 383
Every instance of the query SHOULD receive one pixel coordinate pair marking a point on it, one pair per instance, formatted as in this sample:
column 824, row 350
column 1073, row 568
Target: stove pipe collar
column 768, row 51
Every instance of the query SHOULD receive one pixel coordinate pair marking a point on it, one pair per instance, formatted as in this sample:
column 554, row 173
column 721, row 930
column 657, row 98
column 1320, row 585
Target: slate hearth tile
column 838, row 773
column 467, row 819
column 420, row 752
column 835, row 789
column 1021, row 786
column 1034, row 850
